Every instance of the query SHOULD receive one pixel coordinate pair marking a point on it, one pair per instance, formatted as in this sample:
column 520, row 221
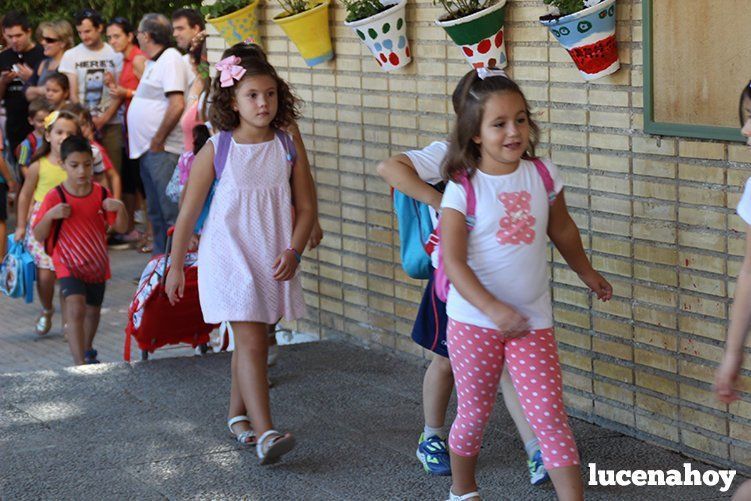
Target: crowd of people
column 92, row 130
column 136, row 97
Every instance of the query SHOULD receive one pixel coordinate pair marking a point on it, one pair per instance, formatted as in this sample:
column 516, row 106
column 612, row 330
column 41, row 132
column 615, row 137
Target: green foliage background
column 41, row 10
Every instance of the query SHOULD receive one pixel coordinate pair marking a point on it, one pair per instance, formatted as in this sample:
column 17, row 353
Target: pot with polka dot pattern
column 480, row 36
column 385, row 35
column 589, row 37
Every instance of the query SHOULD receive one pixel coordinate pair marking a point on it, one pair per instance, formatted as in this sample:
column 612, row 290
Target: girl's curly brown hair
column 221, row 114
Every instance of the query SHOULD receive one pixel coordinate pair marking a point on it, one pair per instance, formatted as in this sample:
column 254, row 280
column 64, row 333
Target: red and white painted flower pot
column 589, row 37
column 480, row 36
column 385, row 34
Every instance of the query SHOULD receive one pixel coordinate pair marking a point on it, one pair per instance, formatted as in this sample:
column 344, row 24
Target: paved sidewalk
column 22, row 350
column 156, row 430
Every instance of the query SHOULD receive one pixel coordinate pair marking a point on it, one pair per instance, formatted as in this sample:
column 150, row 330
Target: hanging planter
column 234, row 25
column 384, row 32
column 309, row 31
column 478, row 31
column 589, row 37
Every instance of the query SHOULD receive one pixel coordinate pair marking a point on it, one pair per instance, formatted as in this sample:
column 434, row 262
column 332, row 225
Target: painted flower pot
column 309, row 31
column 589, row 37
column 480, row 36
column 238, row 26
column 385, row 34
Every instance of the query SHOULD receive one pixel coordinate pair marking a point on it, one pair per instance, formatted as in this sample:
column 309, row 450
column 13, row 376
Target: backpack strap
column 547, row 179
column 471, row 200
column 289, row 146
column 48, row 249
column 222, row 150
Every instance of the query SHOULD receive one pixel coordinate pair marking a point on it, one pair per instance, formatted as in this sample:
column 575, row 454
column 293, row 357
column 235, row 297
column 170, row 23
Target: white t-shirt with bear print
column 507, row 248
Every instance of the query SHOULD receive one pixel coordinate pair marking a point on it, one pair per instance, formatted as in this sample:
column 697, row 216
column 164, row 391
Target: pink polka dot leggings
column 477, row 356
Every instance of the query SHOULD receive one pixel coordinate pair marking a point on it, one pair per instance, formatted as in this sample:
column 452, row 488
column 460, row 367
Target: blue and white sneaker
column 537, row 473
column 434, row 455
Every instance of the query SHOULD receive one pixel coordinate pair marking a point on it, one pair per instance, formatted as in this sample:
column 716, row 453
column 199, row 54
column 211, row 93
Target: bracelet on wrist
column 298, row 256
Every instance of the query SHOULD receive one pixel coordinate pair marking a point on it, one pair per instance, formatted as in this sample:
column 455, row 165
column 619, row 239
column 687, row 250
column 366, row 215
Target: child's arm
column 740, row 317
column 564, row 234
column 303, row 195
column 5, row 172
column 115, row 183
column 400, row 173
column 316, row 234
column 42, row 229
column 24, row 200
column 196, row 190
column 114, row 205
column 454, row 237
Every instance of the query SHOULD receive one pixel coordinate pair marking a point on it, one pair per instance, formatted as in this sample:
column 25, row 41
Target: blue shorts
column 429, row 330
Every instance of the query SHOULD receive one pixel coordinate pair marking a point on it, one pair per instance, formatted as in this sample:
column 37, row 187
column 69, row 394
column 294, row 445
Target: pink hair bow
column 229, row 71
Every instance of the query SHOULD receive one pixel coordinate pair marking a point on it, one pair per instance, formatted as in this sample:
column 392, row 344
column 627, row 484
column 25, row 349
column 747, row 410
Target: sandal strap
column 235, row 420
column 246, row 437
column 463, row 497
column 268, row 436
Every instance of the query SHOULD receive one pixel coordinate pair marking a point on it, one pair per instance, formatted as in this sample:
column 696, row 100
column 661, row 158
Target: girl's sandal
column 272, row 445
column 247, row 437
column 463, row 497
column 44, row 322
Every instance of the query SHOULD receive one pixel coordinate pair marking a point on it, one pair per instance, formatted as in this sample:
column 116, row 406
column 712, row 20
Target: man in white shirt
column 154, row 135
column 85, row 65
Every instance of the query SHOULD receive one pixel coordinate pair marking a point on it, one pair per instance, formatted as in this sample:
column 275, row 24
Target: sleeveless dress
column 50, row 175
column 248, row 227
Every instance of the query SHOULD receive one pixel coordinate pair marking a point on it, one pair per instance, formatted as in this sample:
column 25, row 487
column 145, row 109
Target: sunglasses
column 50, row 39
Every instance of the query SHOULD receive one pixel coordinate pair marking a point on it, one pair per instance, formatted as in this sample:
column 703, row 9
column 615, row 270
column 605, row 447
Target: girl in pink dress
column 250, row 245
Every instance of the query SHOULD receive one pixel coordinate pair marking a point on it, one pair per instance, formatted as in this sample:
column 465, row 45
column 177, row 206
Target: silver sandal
column 273, row 445
column 247, row 437
column 44, row 322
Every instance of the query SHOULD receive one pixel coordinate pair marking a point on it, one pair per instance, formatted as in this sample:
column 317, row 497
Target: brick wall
column 656, row 215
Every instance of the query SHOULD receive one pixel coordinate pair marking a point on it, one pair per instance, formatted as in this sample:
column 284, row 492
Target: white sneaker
column 474, row 496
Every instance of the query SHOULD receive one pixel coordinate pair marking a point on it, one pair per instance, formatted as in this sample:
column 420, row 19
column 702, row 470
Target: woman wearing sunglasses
column 55, row 37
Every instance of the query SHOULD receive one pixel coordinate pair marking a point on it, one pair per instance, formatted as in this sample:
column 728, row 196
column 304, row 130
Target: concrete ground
column 156, row 429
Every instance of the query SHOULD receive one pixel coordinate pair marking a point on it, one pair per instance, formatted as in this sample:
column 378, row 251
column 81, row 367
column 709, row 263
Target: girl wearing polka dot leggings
column 494, row 253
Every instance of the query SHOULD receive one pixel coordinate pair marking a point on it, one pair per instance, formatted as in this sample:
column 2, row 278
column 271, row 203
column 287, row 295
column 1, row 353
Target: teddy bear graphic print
column 517, row 226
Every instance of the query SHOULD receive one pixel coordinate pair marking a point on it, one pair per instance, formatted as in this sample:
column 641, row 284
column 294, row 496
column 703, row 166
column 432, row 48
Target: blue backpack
column 415, row 228
column 220, row 158
column 17, row 272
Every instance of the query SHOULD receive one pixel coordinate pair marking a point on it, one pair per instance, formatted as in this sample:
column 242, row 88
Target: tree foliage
column 44, row 10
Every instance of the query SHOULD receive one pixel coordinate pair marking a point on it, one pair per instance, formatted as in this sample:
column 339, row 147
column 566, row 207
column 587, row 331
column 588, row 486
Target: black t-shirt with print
column 15, row 103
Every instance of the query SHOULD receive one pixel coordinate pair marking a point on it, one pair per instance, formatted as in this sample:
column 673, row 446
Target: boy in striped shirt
column 72, row 222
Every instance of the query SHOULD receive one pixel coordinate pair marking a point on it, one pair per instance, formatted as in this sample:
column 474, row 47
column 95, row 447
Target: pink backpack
column 440, row 279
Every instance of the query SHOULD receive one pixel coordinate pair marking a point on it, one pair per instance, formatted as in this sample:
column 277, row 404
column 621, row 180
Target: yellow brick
column 614, row 392
column 654, row 146
column 657, row 405
column 617, row 372
column 658, row 428
column 658, row 168
column 701, row 149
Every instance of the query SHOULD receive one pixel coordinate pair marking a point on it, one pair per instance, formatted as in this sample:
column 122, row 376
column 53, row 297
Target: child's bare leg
column 90, row 326
column 236, row 405
column 511, row 399
column 251, row 349
column 568, row 483
column 75, row 305
column 437, row 386
column 463, row 473
column 46, row 287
